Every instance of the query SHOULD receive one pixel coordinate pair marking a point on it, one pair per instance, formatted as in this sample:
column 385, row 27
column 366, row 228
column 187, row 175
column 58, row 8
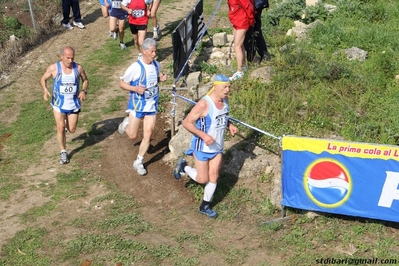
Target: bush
column 292, row 9
column 315, row 12
column 11, row 23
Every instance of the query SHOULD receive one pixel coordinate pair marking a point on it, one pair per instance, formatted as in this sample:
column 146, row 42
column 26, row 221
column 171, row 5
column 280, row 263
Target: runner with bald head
column 66, row 95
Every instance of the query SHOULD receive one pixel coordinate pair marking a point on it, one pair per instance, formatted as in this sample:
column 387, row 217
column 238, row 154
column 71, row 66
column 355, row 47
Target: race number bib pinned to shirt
column 68, row 89
column 151, row 92
column 116, row 4
column 138, row 13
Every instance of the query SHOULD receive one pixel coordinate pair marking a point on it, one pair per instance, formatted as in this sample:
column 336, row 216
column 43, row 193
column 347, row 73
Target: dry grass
column 12, row 50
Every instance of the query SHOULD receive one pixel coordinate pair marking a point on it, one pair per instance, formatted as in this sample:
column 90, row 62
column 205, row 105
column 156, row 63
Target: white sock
column 139, row 159
column 209, row 191
column 192, row 172
column 63, row 151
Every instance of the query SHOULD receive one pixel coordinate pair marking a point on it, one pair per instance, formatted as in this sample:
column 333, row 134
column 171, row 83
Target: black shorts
column 136, row 28
column 118, row 13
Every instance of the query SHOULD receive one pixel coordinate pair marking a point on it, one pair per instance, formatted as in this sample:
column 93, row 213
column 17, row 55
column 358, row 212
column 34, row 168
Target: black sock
column 203, row 204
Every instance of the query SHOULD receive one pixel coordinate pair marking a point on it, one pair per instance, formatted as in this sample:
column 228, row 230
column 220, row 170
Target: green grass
column 22, row 249
column 316, row 92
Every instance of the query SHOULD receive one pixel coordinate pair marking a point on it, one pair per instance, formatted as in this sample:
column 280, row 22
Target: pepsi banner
column 349, row 178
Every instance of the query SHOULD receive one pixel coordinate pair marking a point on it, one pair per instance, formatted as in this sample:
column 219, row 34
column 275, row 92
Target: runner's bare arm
column 50, row 72
column 85, row 83
column 127, row 87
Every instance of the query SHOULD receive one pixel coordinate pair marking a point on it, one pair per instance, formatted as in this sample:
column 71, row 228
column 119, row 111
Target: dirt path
column 163, row 201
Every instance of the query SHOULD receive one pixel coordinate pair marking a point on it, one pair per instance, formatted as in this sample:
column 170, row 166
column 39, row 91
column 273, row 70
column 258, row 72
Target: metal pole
column 32, row 15
column 173, row 112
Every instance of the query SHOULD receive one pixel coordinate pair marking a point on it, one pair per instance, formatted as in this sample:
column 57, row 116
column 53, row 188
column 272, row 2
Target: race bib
column 116, row 4
column 151, row 92
column 138, row 13
column 68, row 90
column 221, row 121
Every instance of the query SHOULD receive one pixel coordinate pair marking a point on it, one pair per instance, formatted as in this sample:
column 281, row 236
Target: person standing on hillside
column 141, row 80
column 138, row 19
column 117, row 22
column 66, row 95
column 241, row 15
column 66, row 9
column 153, row 15
column 207, row 122
column 254, row 41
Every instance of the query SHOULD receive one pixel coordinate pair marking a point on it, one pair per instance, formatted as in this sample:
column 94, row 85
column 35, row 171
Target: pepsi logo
column 327, row 183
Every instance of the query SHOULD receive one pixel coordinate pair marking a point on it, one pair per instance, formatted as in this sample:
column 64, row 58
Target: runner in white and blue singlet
column 141, row 80
column 207, row 122
column 66, row 90
column 66, row 95
column 214, row 124
column 144, row 74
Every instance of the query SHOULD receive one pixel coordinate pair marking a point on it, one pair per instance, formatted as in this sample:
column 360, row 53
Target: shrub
column 11, row 23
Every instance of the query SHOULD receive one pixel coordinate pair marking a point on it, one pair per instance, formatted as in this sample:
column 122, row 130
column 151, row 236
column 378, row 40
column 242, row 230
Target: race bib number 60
column 68, row 89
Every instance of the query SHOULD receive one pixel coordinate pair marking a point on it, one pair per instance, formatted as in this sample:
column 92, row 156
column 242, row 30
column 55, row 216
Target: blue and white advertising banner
column 349, row 178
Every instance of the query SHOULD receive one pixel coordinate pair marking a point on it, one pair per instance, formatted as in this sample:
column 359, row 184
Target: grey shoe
column 79, row 25
column 236, row 76
column 64, row 157
column 156, row 33
column 122, row 45
column 67, row 25
column 139, row 167
column 122, row 126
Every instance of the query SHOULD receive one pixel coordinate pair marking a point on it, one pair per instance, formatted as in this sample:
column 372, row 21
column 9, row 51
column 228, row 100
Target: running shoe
column 139, row 167
column 122, row 45
column 64, row 157
column 237, row 75
column 122, row 126
column 79, row 25
column 181, row 163
column 156, row 33
column 267, row 56
column 67, row 25
column 208, row 212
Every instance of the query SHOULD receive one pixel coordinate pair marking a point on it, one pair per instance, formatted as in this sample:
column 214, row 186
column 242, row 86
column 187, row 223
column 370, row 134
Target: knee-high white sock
column 192, row 172
column 209, row 191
